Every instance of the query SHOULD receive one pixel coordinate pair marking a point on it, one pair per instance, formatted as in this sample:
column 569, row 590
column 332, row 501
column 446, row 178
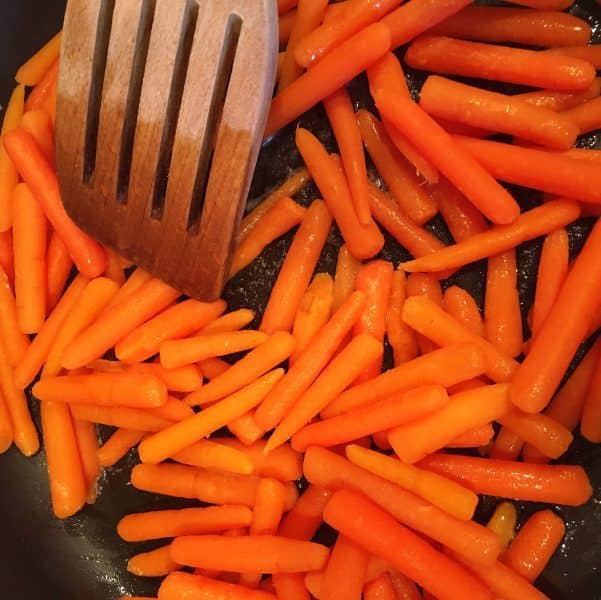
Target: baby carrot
column 44, row 91
column 467, row 104
column 87, row 442
column 516, row 25
column 118, row 416
column 6, row 255
column 535, row 544
column 426, row 285
column 507, row 445
column 347, row 267
column 286, row 5
column 180, row 585
column 474, row 438
column 345, row 572
column 560, row 101
column 184, row 379
column 503, row 522
column 362, row 351
column 332, row 72
column 31, row 72
column 362, row 241
column 591, row 53
column 297, row 270
column 446, row 367
column 531, row 224
column 586, row 117
column 381, row 588
column 35, row 170
column 554, row 484
column 565, row 327
column 156, row 563
column 462, row 307
column 398, row 173
column 118, row 445
column 213, row 367
column 58, row 264
column 341, row 115
column 306, row 516
column 327, row 469
column 14, row 340
column 260, row 553
column 285, row 25
column 399, row 335
column 365, row 523
column 37, row 352
column 232, row 321
column 256, row 363
column 552, row 271
column 245, row 429
column 499, row 63
column 591, row 409
column 114, row 268
column 6, row 428
column 38, row 124
column 209, row 455
column 133, row 283
column 173, row 410
column 440, row 491
column 379, row 416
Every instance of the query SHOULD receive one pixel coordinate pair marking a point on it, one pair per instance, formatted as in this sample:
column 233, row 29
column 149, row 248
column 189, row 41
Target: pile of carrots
column 309, row 398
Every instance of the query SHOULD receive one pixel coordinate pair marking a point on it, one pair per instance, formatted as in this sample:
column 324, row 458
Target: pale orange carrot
column 118, row 445
column 14, row 340
column 87, row 442
column 39, row 125
column 344, row 279
column 6, row 255
column 59, row 265
column 400, row 336
column 232, row 321
column 118, row 416
column 156, row 563
column 245, row 429
column 179, row 585
column 210, row 455
column 133, row 283
column 503, row 522
column 31, row 72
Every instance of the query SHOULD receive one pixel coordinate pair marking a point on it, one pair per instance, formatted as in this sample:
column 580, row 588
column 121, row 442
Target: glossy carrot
column 341, row 115
column 358, row 518
column 552, row 271
column 306, row 516
column 499, row 63
column 397, row 172
column 344, row 280
column 591, row 409
column 285, row 5
column 59, row 264
column 14, row 340
column 133, row 283
column 535, row 544
column 44, row 88
column 87, row 442
column 507, row 445
column 554, row 484
column 461, row 305
column 31, row 72
column 560, row 101
column 209, row 455
column 474, row 438
column 591, row 53
column 380, row 588
column 156, row 563
column 382, row 415
column 35, row 170
column 6, row 429
column 503, row 522
column 38, row 124
column 245, row 429
column 285, row 25
column 184, row 585
column 114, row 270
column 531, row 224
column 426, row 285
column 586, row 117
column 256, row 363
column 213, row 367
column 37, row 352
column 445, row 367
column 118, row 445
column 179, row 436
column 342, row 64
column 516, row 25
column 335, row 32
column 400, row 336
column 6, row 255
column 119, row 416
column 345, row 572
column 362, row 241
column 326, row 468
column 566, row 326
column 232, row 321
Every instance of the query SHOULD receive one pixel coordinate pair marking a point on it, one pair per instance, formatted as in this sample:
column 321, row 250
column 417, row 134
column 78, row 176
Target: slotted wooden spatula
column 161, row 110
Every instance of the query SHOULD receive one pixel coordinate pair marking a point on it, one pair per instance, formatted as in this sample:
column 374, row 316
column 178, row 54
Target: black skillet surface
column 82, row 558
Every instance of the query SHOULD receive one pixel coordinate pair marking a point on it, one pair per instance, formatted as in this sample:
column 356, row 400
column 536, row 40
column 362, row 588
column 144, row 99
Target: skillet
column 82, row 557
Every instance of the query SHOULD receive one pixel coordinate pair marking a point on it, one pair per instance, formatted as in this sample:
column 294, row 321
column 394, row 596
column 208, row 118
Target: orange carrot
column 6, row 429
column 503, row 522
column 213, row 367
column 184, row 379
column 35, row 170
column 156, row 563
column 362, row 351
column 313, row 313
column 379, row 416
column 37, row 352
column 209, row 455
column 345, row 573
column 181, row 352
column 507, row 445
column 565, row 327
column 327, row 469
column 87, row 442
column 445, row 367
column 474, row 438
column 441, row 97
column 44, row 88
column 114, row 268
column 535, row 544
column 341, row 115
column 531, row 224
column 440, row 491
column 365, row 523
column 283, row 216
column 306, row 516
column 261, row 553
column 256, row 363
column 285, row 25
column 362, row 241
column 232, row 321
column 176, row 322
column 426, row 285
column 400, row 337
column 340, row 66
column 555, row 484
column 31, row 72
column 245, row 429
column 336, row 32
column 133, row 283
column 398, row 174
column 297, row 270
column 6, row 255
column 374, row 279
column 285, row 5
column 552, row 271
column 154, row 525
column 516, row 25
column 346, row 274
column 591, row 409
column 465, row 411
column 560, row 101
column 586, row 117
column 184, row 585
column 296, row 182
column 118, row 416
column 117, row 446
column 307, row 367
column 38, row 124
column 179, row 436
column 309, row 15
column 381, row 588
column 172, row 410
column 58, row 263
column 25, row 434
column 591, row 53
column 14, row 340
column 462, row 307
column 499, row 63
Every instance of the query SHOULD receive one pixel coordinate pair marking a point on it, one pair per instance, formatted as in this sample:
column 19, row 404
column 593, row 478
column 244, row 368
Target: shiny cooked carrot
column 399, row 335
column 345, row 276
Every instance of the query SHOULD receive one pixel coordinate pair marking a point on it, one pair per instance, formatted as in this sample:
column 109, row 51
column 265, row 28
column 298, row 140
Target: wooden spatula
column 161, row 110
